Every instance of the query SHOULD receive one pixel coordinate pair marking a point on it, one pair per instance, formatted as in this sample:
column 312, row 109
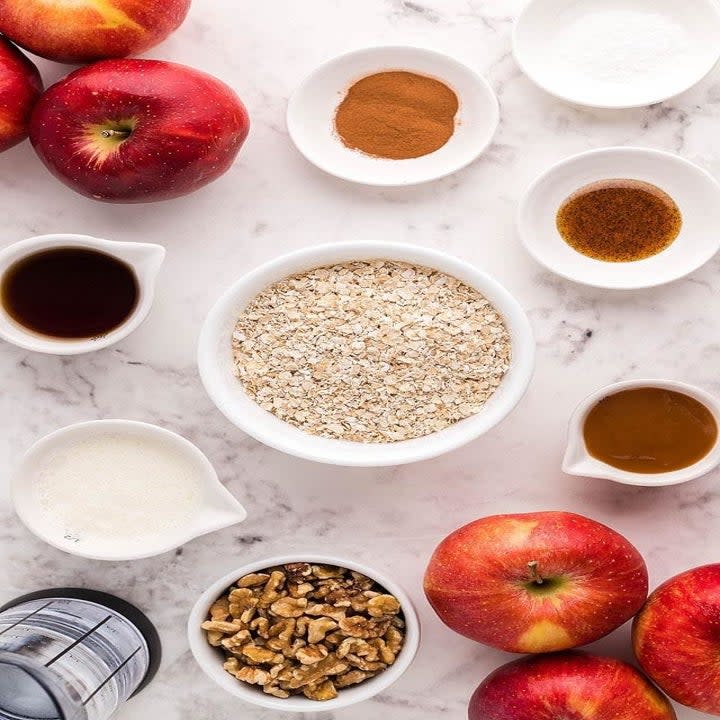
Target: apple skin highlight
column 132, row 131
column 537, row 582
column 565, row 685
column 676, row 638
column 87, row 30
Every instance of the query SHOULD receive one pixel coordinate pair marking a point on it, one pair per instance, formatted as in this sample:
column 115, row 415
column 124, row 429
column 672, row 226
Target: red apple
column 536, row 583
column 81, row 31
column 20, row 87
column 676, row 638
column 138, row 130
column 568, row 685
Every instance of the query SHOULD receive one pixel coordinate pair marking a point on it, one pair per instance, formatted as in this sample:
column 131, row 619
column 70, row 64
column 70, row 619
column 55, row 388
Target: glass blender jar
column 73, row 654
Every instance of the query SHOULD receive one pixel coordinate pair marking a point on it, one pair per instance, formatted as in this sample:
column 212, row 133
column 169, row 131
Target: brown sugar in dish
column 619, row 220
column 397, row 115
column 650, row 430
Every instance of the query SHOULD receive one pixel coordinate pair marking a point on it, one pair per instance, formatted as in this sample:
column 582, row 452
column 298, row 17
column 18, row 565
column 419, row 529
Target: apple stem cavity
column 543, row 585
column 100, row 141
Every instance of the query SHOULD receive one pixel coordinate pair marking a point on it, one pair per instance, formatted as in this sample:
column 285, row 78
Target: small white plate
column 695, row 191
column 684, row 55
column 312, row 108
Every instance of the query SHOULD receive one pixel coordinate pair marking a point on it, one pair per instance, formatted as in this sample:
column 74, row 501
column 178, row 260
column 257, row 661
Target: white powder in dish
column 616, row 45
column 117, row 488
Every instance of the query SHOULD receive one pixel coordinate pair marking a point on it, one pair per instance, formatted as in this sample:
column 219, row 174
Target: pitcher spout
column 221, row 510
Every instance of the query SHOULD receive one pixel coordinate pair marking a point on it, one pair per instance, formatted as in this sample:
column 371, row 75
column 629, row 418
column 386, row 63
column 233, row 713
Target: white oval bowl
column 217, row 508
column 145, row 259
column 211, row 660
column 696, row 192
column 226, row 391
column 312, row 107
column 538, row 27
column 578, row 462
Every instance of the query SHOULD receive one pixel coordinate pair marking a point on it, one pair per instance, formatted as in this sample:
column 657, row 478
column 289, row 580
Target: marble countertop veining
column 272, row 202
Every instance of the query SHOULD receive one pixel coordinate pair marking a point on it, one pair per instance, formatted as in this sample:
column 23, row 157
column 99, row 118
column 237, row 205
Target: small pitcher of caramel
column 645, row 432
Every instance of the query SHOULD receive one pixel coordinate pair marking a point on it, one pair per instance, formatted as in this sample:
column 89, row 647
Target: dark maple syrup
column 71, row 293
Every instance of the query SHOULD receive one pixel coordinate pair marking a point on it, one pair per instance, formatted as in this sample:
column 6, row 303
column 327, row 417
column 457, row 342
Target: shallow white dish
column 226, row 391
column 538, row 42
column 312, row 107
column 695, row 191
column 145, row 259
column 211, row 660
column 217, row 508
column 579, row 462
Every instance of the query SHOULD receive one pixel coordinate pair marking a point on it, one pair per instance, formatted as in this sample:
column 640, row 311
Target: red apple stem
column 534, row 574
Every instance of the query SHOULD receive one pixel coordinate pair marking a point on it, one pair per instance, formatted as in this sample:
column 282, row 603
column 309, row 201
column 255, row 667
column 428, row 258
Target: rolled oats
column 371, row 351
column 343, row 629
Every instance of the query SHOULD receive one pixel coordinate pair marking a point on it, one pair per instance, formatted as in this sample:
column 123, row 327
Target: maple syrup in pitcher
column 650, row 430
column 71, row 293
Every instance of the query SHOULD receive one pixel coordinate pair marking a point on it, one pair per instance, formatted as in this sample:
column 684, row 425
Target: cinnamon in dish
column 397, row 115
column 650, row 430
column 619, row 220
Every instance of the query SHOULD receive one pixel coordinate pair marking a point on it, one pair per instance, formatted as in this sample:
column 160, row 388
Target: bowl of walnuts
column 302, row 634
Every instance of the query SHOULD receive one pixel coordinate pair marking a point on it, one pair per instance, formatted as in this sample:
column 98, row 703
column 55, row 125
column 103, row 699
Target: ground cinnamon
column 397, row 115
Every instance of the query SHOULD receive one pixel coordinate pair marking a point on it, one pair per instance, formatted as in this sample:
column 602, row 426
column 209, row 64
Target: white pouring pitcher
column 145, row 260
column 216, row 508
column 578, row 460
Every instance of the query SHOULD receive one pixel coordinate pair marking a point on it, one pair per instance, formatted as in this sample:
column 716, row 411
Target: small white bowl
column 145, row 259
column 695, row 191
column 216, row 363
column 537, row 46
column 579, row 462
column 211, row 660
column 216, row 510
column 312, row 108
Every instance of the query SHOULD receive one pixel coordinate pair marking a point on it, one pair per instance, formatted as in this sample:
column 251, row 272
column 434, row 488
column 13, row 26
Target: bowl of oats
column 366, row 353
column 319, row 633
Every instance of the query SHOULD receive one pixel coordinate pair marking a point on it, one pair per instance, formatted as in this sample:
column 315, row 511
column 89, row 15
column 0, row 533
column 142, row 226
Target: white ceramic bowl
column 312, row 108
column 226, row 391
column 145, row 259
column 217, row 508
column 579, row 462
column 538, row 47
column 211, row 660
column 695, row 191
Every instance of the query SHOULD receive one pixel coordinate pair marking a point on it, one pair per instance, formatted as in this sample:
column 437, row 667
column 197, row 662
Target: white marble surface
column 273, row 201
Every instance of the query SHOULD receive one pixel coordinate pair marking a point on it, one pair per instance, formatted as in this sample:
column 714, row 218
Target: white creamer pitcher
column 216, row 507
